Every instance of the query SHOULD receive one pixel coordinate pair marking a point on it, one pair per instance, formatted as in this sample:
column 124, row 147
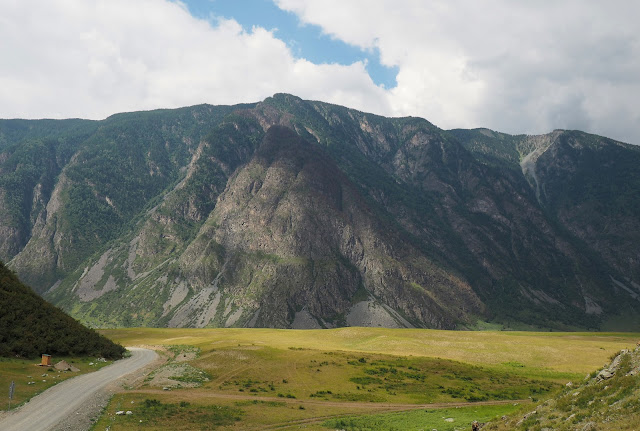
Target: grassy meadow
column 348, row 378
column 31, row 379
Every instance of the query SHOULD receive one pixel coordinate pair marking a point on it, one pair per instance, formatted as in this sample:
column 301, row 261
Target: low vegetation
column 177, row 372
column 153, row 413
column 356, row 378
column 539, row 354
column 459, row 418
column 604, row 400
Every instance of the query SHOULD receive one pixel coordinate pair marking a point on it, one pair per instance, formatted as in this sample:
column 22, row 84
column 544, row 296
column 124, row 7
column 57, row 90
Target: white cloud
column 93, row 58
column 513, row 66
column 518, row 67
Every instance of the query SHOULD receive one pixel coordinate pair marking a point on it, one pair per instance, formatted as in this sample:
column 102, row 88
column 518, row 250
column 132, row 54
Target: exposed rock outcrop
column 296, row 213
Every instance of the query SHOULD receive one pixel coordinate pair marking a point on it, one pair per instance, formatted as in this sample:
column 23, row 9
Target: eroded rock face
column 296, row 213
column 590, row 184
column 610, row 370
column 307, row 239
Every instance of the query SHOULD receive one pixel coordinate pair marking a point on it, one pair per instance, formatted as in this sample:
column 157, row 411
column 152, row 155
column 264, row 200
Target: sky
column 512, row 66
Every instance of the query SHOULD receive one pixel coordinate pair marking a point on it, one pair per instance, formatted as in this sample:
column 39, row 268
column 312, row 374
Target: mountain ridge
column 129, row 228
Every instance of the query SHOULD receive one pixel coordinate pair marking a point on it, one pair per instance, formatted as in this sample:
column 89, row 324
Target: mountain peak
column 293, row 213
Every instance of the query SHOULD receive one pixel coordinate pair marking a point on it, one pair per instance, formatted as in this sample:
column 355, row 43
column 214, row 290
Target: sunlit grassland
column 574, row 353
column 262, row 378
column 252, row 414
column 188, row 414
column 423, row 419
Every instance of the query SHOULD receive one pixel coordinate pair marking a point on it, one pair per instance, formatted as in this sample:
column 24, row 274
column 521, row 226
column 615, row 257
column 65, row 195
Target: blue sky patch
column 305, row 41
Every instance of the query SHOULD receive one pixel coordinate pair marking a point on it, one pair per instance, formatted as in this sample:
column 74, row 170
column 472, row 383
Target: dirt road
column 52, row 407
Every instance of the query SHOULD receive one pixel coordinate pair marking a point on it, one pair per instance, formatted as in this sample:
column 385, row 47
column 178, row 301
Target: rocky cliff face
column 294, row 221
column 291, row 213
column 589, row 188
column 590, row 184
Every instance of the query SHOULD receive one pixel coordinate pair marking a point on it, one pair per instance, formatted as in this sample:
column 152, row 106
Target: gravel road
column 57, row 407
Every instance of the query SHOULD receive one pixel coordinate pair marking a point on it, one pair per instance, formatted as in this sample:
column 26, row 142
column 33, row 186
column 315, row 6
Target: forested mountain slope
column 29, row 326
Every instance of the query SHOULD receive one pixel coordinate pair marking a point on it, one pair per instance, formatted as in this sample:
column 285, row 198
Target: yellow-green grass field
column 573, row 352
column 323, row 379
column 31, row 379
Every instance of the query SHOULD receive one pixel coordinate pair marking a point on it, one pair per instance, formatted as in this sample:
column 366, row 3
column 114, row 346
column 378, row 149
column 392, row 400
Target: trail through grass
column 283, row 379
column 459, row 418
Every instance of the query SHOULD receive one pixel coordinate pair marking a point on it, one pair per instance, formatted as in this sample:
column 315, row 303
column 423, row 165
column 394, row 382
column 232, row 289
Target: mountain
column 29, row 326
column 294, row 213
column 588, row 184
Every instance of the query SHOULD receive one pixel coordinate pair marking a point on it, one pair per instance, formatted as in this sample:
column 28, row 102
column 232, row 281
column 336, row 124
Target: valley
column 319, row 215
column 329, row 379
column 300, row 264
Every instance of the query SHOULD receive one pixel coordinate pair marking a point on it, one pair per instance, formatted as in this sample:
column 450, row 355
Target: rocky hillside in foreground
column 608, row 399
column 29, row 326
column 292, row 213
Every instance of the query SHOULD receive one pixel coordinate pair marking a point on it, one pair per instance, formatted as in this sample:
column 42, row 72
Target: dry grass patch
column 561, row 352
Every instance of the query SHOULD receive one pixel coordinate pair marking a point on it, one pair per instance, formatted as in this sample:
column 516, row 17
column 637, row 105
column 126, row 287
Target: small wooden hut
column 46, row 360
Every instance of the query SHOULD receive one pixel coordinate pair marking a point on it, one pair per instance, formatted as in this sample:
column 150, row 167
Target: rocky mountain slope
column 292, row 213
column 587, row 184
